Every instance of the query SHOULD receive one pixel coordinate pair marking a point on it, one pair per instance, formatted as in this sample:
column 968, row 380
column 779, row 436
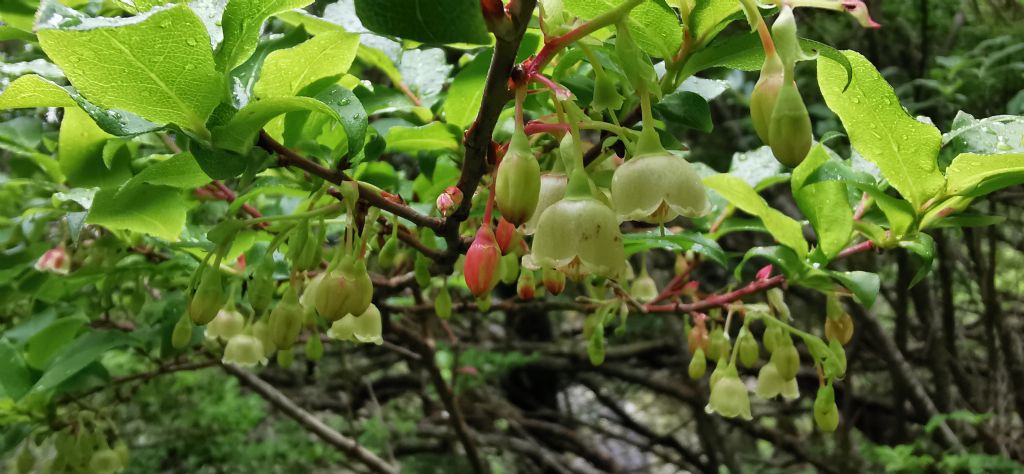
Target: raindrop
column 1001, row 144
column 191, row 42
column 165, row 24
column 189, row 67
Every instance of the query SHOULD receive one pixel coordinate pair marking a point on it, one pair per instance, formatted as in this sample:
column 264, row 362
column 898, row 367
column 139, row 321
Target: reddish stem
column 719, row 300
column 855, row 249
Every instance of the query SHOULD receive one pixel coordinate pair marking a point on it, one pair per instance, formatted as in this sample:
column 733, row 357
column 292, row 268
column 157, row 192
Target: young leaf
column 976, row 175
column 114, row 64
column 285, row 72
column 426, row 21
column 433, row 137
column 239, row 134
column 653, row 24
column 783, row 228
column 880, row 129
column 242, row 22
column 80, row 152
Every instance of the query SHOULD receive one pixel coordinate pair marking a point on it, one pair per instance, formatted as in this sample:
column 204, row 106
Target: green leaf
column 923, row 249
column 239, row 134
column 218, row 163
column 745, row 52
column 15, row 378
column 242, row 22
column 709, row 17
column 81, row 149
column 788, row 262
column 653, row 23
column 758, row 168
column 113, row 63
column 243, row 78
column 144, row 208
column 467, row 92
column 426, row 21
column 42, row 347
column 783, row 228
column 898, row 212
column 433, row 137
column 179, row 171
column 904, row 149
column 864, row 285
column 824, row 203
column 31, row 91
column 79, row 354
column 682, row 241
column 999, row 134
column 687, row 109
column 285, row 72
column 977, row 175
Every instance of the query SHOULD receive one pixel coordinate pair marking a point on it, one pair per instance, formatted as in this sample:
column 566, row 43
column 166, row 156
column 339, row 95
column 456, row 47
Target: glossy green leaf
column 977, row 175
column 467, row 92
column 81, row 153
column 79, row 354
column 783, row 228
column 239, row 134
column 922, row 248
column 347, row 108
column 708, row 17
column 43, row 346
column 179, row 171
column 653, row 23
column 112, row 62
column 15, row 378
column 824, row 203
column 680, row 242
column 863, row 285
column 426, row 21
column 243, row 78
column 433, row 137
column 687, row 109
column 285, row 72
column 242, row 22
column 149, row 209
column 903, row 148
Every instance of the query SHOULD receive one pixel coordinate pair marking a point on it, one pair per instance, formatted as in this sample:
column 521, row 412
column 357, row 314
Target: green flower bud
column 244, row 350
column 636, row 64
column 770, row 384
column 208, row 297
column 719, row 345
column 729, row 396
column 791, row 134
column 443, row 303
column 766, row 94
column 105, row 461
column 297, row 243
column 388, row 253
column 835, row 366
column 421, row 268
column 182, row 333
column 526, row 287
column 826, row 413
column 314, row 347
column 749, row 350
column 698, row 365
column 517, row 185
column 776, row 298
column 786, row 359
column 483, row 303
column 509, row 268
column 261, row 331
column 644, row 288
column 286, row 320
column 720, row 369
column 347, row 290
column 312, row 251
column 285, row 358
column 839, row 329
column 772, row 335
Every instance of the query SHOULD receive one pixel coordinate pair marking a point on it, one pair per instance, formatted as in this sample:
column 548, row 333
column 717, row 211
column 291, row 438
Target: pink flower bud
column 764, row 272
column 482, row 261
column 506, row 236
column 55, row 260
column 450, row 199
column 859, row 10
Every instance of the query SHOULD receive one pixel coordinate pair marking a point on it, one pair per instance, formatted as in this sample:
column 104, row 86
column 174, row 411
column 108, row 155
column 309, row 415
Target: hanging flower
column 552, row 190
column 54, row 260
column 345, row 290
column 365, row 328
column 517, row 185
column 482, row 260
column 227, row 324
column 578, row 235
column 657, row 186
column 244, row 350
column 729, row 396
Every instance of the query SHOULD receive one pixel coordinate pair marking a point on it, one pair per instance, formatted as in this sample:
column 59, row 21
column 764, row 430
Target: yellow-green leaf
column 783, row 228
column 975, row 175
column 242, row 22
column 285, row 72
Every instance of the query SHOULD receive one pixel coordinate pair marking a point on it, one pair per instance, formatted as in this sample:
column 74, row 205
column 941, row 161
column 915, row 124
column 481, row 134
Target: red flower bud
column 54, row 260
column 554, row 281
column 764, row 272
column 526, row 287
column 507, row 236
column 482, row 261
column 450, row 199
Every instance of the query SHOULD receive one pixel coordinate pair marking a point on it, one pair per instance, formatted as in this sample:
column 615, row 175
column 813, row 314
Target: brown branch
column 313, row 424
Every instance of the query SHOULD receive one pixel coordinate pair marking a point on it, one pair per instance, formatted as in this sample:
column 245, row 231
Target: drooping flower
column 552, row 190
column 364, row 328
column 578, row 235
column 227, row 324
column 656, row 186
column 729, row 396
column 244, row 350
column 55, row 260
column 770, row 384
column 345, row 290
